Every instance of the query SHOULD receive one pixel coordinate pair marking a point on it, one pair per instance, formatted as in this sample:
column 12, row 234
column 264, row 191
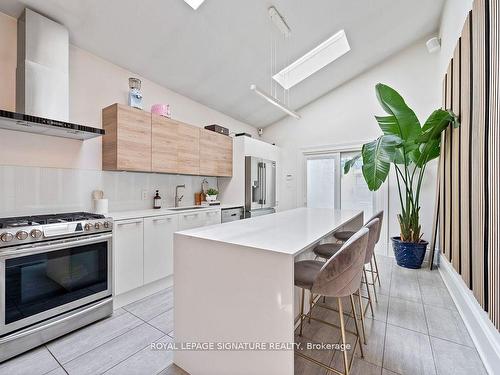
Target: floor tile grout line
column 427, row 324
column 386, row 319
column 60, row 364
column 104, row 343
column 149, row 324
column 163, row 312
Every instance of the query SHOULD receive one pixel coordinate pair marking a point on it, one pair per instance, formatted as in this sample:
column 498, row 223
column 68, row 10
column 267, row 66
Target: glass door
column 323, row 181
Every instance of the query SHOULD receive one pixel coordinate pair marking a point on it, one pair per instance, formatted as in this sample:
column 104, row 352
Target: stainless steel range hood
column 41, row 125
column 42, row 77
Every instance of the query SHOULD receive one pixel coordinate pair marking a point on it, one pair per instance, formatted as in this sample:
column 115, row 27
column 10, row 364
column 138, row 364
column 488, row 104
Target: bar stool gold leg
column 342, row 331
column 362, row 315
column 357, row 326
column 302, row 310
column 368, row 291
column 311, row 299
column 376, row 268
column 373, row 281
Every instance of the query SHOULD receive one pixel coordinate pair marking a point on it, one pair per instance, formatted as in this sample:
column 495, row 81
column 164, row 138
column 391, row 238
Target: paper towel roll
column 101, row 206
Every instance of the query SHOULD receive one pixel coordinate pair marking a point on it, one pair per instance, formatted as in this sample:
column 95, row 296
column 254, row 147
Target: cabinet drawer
column 191, row 220
column 212, row 217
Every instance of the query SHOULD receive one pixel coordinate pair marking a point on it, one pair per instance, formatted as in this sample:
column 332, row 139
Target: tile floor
column 416, row 329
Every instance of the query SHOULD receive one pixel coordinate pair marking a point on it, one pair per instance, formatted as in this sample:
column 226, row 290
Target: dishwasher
column 231, row 214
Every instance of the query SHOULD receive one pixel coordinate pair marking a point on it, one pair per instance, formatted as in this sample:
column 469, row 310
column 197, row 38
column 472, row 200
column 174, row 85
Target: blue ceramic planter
column 409, row 254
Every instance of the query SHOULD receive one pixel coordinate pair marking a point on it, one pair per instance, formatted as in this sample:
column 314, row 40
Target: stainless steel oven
column 54, row 285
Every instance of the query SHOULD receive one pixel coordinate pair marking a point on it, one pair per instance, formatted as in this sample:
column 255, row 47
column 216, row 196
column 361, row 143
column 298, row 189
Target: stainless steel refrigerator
column 260, row 186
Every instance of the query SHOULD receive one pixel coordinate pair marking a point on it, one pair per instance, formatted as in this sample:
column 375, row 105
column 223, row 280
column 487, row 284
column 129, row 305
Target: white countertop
column 132, row 214
column 287, row 232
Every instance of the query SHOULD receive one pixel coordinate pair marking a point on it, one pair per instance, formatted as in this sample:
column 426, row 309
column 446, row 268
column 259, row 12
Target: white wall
column 94, row 84
column 452, row 22
column 345, row 116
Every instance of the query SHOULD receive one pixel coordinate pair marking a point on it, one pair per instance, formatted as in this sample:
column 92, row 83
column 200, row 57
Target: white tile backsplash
column 35, row 190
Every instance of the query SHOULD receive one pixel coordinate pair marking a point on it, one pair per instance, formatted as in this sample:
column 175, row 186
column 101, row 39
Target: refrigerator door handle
column 264, row 173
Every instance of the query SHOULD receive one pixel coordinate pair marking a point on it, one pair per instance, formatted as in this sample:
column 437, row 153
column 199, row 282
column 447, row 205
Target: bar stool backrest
column 341, row 274
column 379, row 215
column 373, row 227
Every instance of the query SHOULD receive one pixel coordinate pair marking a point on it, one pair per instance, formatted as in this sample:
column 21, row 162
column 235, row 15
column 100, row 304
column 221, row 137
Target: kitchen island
column 234, row 284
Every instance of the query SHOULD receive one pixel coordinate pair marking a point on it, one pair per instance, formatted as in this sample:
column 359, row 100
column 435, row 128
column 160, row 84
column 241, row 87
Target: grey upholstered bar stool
column 339, row 277
column 326, row 251
column 344, row 235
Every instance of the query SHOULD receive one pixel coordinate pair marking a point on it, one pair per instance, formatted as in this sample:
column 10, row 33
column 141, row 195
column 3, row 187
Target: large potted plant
column 409, row 147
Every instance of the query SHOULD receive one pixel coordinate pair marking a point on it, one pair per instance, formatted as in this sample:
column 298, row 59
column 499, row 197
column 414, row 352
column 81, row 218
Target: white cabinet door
column 191, row 220
column 128, row 255
column 212, row 217
column 159, row 247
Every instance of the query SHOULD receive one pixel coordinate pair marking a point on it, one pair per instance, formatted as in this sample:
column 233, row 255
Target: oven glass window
column 37, row 283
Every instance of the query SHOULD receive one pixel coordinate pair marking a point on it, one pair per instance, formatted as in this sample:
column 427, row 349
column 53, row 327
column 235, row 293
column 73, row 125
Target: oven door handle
column 51, row 246
column 56, row 322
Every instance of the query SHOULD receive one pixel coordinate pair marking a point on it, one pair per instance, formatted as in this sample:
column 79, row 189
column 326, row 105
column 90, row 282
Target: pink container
column 161, row 109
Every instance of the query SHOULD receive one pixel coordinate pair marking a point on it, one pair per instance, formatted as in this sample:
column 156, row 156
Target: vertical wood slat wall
column 470, row 159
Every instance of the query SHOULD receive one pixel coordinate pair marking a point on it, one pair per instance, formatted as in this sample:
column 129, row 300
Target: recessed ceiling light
column 314, row 60
column 194, row 3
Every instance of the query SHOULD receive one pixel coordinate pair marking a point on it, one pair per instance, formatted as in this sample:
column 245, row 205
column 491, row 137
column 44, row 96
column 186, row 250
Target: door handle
column 129, row 223
column 162, row 219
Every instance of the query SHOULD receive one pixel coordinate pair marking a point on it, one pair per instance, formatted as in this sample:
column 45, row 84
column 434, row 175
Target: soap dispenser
column 157, row 200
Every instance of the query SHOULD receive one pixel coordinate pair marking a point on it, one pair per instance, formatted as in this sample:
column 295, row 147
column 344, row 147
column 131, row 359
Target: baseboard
column 484, row 334
column 142, row 292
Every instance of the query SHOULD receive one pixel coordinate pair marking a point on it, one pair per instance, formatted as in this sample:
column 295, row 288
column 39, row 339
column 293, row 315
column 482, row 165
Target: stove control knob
column 107, row 224
column 36, row 233
column 88, row 226
column 97, row 226
column 6, row 237
column 21, row 235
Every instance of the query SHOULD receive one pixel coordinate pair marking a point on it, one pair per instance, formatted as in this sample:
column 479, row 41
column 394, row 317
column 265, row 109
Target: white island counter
column 233, row 283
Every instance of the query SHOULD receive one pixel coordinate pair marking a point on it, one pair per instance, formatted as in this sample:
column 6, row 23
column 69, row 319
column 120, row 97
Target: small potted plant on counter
column 211, row 195
column 409, row 147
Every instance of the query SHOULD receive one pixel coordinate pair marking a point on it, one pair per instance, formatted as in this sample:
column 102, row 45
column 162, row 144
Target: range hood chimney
column 42, row 67
column 42, row 81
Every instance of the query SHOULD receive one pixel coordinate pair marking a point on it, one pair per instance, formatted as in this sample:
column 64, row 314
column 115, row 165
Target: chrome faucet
column 177, row 198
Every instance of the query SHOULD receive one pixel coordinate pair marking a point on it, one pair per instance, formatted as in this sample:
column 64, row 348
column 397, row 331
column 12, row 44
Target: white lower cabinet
column 128, row 255
column 212, row 217
column 143, row 250
column 159, row 247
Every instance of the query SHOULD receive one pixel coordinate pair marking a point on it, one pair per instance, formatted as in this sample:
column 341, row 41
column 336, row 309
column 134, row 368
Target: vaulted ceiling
column 213, row 54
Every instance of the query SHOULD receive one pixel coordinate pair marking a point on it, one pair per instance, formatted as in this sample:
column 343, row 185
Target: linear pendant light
column 314, row 60
column 274, row 102
column 194, row 3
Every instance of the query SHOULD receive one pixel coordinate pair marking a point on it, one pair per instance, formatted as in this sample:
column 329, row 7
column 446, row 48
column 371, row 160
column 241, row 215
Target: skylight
column 194, row 3
column 314, row 60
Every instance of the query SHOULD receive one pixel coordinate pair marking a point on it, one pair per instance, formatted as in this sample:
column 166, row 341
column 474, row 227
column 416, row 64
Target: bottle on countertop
column 157, row 200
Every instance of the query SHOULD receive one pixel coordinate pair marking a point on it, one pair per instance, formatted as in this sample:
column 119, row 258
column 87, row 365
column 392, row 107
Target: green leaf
column 348, row 164
column 430, row 139
column 377, row 158
column 401, row 121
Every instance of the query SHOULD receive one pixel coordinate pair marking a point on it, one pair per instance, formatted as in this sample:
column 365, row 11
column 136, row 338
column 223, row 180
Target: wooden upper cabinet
column 126, row 146
column 188, row 149
column 164, row 144
column 216, row 154
column 136, row 140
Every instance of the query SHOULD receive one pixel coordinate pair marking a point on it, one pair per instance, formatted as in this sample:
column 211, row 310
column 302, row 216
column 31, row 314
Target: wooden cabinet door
column 188, row 149
column 225, row 160
column 164, row 144
column 159, row 247
column 216, row 154
column 209, row 153
column 128, row 255
column 133, row 139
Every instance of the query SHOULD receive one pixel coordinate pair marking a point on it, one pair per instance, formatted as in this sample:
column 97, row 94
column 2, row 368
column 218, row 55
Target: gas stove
column 20, row 230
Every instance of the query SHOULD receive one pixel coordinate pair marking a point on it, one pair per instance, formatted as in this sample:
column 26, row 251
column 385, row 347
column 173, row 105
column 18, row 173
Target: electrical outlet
column 144, row 195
